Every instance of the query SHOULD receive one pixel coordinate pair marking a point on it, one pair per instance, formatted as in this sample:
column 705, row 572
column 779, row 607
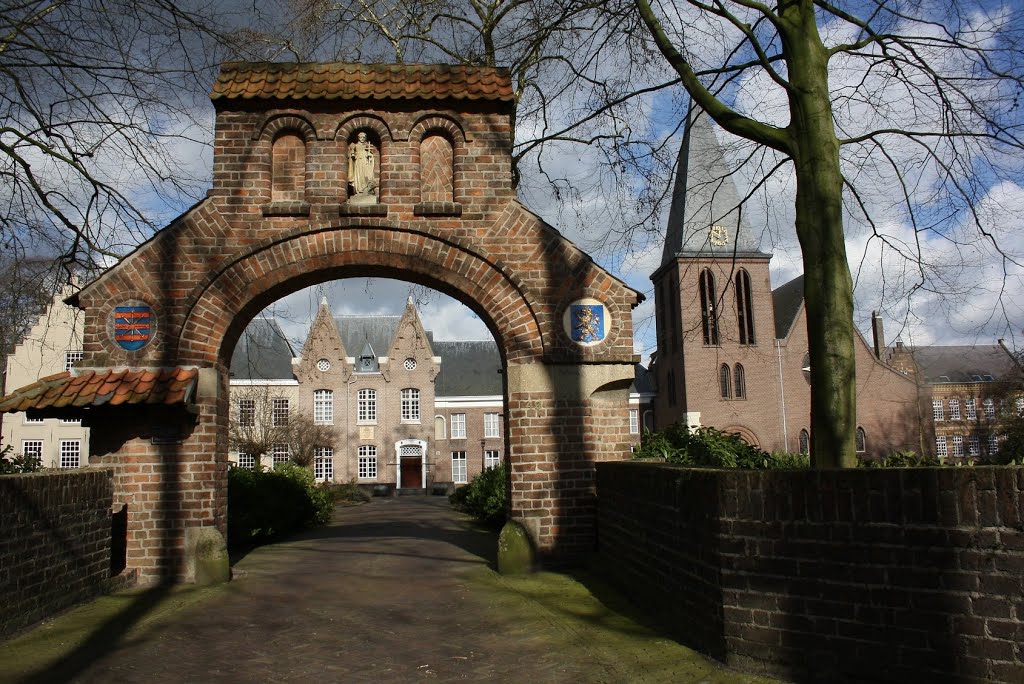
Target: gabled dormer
column 323, row 357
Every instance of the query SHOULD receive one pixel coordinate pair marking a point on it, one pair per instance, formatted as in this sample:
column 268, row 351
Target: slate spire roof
column 704, row 196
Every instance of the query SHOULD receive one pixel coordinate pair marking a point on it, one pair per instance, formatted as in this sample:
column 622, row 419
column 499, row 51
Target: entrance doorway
column 411, row 470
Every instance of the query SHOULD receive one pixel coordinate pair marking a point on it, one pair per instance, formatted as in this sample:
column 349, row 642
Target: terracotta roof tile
column 344, row 81
column 95, row 388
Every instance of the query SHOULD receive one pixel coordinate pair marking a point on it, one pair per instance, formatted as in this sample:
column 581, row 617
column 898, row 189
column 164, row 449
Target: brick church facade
column 732, row 351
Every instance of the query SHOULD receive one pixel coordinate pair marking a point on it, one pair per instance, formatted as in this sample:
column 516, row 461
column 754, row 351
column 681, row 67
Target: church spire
column 705, row 218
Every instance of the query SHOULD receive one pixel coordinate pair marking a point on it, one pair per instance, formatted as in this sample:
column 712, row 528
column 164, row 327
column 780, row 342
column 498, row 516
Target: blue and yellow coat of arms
column 586, row 322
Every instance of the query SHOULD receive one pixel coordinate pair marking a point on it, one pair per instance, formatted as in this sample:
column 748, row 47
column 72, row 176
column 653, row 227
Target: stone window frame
column 366, row 455
column 323, row 464
column 38, row 445
column 492, row 458
column 460, row 467
column 410, row 397
column 323, row 407
column 71, row 357
column 634, row 421
column 492, row 425
column 70, row 453
column 246, row 412
column 457, row 429
column 280, row 409
column 366, row 406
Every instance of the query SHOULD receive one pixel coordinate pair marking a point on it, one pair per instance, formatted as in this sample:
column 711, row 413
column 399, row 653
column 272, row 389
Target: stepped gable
column 346, row 81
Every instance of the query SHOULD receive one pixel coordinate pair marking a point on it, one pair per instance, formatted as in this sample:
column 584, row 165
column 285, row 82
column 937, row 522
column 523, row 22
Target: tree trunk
column 828, row 287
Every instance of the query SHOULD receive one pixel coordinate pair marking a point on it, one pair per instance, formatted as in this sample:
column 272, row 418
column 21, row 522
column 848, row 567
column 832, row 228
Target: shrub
column 483, row 497
column 711, row 448
column 903, row 458
column 11, row 463
column 265, row 504
column 349, row 492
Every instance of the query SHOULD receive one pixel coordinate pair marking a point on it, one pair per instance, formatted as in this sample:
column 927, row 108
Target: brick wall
column 857, row 575
column 56, row 546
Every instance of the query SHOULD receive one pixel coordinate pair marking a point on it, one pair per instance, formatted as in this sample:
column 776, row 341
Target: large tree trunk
column 828, row 287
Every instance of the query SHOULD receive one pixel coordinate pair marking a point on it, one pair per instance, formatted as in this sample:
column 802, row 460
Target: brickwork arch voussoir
column 434, row 123
column 237, row 292
column 276, row 123
column 356, row 122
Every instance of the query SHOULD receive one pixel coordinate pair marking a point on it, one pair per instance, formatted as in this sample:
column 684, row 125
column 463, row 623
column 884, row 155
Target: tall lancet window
column 744, row 307
column 708, row 316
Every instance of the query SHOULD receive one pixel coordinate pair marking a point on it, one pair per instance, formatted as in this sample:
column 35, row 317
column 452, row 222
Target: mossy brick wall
column 838, row 576
column 56, row 542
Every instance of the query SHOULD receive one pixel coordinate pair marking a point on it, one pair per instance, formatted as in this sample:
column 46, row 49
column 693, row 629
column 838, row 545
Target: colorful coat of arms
column 133, row 326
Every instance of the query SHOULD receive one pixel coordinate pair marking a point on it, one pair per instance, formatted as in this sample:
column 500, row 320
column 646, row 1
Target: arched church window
column 437, row 169
column 708, row 316
column 288, row 168
column 744, row 307
column 805, row 442
column 725, row 381
column 740, row 384
column 861, row 441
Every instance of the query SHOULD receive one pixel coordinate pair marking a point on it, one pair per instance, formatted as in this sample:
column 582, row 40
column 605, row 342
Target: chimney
column 877, row 334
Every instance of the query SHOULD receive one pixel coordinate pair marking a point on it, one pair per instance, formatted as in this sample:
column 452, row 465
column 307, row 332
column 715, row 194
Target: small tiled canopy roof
column 343, row 81
column 97, row 388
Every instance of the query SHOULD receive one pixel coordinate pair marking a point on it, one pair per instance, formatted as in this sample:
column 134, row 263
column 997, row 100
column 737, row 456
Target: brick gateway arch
column 284, row 213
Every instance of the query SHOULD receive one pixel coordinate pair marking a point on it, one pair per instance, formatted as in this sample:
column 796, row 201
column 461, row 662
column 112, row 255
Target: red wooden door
column 412, row 473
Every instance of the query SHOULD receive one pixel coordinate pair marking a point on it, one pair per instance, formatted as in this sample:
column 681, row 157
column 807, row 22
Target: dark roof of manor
column 965, row 363
column 468, row 369
column 263, row 352
column 345, row 81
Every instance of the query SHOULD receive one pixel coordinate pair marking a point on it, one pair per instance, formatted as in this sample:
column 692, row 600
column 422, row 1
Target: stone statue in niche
column 361, row 171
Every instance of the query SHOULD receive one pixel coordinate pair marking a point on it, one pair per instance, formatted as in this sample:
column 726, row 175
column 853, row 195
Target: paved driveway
column 397, row 590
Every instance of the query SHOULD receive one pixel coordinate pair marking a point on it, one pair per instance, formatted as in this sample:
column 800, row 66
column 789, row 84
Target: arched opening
column 744, row 308
column 725, row 381
column 708, row 305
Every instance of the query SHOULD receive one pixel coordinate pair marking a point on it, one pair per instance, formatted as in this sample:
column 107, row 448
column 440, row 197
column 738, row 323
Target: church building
column 732, row 351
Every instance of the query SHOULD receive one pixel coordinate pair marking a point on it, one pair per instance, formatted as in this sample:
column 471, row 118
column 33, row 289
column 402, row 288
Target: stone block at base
column 206, row 556
column 515, row 550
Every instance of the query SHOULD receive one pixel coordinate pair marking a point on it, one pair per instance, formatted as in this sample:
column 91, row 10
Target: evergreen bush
column 265, row 504
column 707, row 447
column 483, row 497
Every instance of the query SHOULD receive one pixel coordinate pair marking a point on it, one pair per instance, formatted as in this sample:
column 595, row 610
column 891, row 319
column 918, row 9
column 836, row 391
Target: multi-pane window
column 280, row 453
column 954, row 409
column 246, row 412
column 367, row 462
column 72, row 357
column 458, row 426
column 323, row 463
column 279, row 412
column 974, row 446
column 459, row 475
column 491, row 428
column 708, row 315
column 411, row 404
column 32, row 449
column 744, row 309
column 805, row 442
column 323, row 407
column 990, row 408
column 861, row 443
column 970, row 409
column 70, row 453
column 367, row 406
column 993, row 445
column 958, row 446
column 246, row 461
column 725, row 381
column 491, row 459
column 634, row 421
column 940, row 446
column 938, row 413
column 741, row 381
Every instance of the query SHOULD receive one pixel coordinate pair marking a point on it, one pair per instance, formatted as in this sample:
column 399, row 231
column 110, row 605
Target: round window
column 323, row 365
column 410, row 364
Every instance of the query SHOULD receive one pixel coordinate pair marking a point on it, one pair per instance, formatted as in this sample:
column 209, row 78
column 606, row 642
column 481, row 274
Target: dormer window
column 367, row 359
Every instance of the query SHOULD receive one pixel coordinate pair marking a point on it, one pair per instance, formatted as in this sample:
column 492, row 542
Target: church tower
column 713, row 301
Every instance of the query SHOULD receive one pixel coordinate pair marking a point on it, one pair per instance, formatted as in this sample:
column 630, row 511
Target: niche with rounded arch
column 287, row 175
column 437, row 177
